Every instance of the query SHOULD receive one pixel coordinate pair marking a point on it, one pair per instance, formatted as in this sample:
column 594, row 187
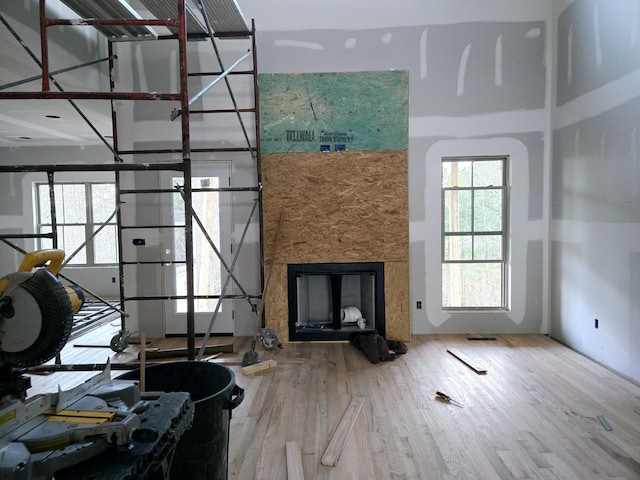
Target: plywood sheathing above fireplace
column 338, row 207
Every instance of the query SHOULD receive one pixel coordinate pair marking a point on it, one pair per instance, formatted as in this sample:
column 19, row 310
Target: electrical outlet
column 418, row 305
column 113, row 279
column 596, row 323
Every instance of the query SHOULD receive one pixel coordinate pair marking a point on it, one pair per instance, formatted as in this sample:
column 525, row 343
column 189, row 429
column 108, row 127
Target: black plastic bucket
column 203, row 451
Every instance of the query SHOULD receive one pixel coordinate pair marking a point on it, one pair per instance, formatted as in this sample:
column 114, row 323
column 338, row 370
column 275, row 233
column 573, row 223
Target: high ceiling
column 64, row 122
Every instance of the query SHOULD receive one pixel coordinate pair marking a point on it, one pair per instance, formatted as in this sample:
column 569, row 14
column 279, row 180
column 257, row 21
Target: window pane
column 471, row 285
column 458, row 247
column 105, row 245
column 103, row 200
column 44, row 204
column 487, row 247
column 457, row 211
column 74, row 204
column 487, row 173
column 59, row 203
column 456, row 174
column 487, row 210
column 69, row 239
column 45, row 242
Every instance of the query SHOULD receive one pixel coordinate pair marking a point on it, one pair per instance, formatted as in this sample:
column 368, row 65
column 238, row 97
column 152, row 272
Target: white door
column 213, row 212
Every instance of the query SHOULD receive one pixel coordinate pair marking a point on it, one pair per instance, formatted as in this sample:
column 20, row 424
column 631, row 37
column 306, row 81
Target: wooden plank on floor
column 473, row 364
column 334, row 450
column 258, row 367
column 294, row 461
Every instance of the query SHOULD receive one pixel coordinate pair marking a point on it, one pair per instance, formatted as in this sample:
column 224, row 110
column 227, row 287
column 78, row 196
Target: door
column 212, row 214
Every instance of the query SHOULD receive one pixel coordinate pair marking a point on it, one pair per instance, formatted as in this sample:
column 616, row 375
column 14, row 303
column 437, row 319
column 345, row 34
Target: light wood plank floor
column 534, row 415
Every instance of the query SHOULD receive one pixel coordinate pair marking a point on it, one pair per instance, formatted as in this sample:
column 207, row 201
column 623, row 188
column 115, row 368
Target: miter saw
column 36, row 316
column 56, row 433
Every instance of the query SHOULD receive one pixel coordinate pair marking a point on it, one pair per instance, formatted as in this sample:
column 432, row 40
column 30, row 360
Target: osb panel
column 396, row 301
column 338, row 206
column 276, row 306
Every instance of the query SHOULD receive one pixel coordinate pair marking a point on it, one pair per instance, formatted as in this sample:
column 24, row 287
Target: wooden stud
column 334, row 450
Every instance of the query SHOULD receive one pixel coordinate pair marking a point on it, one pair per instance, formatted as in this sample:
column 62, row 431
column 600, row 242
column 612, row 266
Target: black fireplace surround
column 327, row 299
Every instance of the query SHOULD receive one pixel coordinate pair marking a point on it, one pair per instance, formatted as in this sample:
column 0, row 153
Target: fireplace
column 335, row 301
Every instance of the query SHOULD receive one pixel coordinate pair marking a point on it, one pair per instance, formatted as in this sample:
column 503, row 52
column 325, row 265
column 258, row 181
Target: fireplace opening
column 334, row 301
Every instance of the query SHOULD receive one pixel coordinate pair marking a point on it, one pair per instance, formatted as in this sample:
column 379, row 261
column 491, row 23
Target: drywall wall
column 595, row 192
column 477, row 82
column 478, row 76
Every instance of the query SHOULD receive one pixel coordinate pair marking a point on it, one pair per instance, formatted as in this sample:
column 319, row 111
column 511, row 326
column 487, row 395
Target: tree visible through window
column 474, row 242
column 206, row 267
column 81, row 209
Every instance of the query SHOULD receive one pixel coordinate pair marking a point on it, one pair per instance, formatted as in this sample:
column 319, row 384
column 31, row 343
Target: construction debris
column 334, row 450
column 472, row 364
column 258, row 367
column 604, row 423
column 294, row 461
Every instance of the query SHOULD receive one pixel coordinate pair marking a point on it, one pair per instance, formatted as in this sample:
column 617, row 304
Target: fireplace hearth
column 335, row 301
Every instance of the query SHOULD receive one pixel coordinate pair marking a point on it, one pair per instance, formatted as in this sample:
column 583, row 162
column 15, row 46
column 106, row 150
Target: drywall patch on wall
column 312, row 112
column 595, row 173
column 597, row 44
column 433, row 55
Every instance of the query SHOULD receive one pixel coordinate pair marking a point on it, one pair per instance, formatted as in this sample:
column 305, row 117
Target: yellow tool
column 446, row 398
column 51, row 259
column 36, row 311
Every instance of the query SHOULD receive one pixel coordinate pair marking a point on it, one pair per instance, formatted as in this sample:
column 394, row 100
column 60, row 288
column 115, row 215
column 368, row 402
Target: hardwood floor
column 534, row 414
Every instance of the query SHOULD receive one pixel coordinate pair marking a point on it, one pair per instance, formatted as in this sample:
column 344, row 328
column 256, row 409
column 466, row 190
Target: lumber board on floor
column 473, row 363
column 258, row 367
column 339, row 437
column 295, row 470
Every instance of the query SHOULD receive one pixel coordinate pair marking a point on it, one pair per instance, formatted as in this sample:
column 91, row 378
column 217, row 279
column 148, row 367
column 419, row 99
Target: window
column 474, row 241
column 81, row 209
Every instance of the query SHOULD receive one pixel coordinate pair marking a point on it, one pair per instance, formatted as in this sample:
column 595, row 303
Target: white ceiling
column 29, row 122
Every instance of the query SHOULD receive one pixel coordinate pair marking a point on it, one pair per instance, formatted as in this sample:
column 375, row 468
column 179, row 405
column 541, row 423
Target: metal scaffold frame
column 182, row 28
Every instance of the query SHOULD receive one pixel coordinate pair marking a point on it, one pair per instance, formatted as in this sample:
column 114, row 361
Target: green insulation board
column 311, row 112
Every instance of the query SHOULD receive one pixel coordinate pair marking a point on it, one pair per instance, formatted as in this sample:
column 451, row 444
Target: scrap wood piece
column 604, row 423
column 258, row 367
column 334, row 450
column 182, row 352
column 472, row 364
column 294, row 461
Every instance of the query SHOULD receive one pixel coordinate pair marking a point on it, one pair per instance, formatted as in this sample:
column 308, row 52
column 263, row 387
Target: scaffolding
column 181, row 21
